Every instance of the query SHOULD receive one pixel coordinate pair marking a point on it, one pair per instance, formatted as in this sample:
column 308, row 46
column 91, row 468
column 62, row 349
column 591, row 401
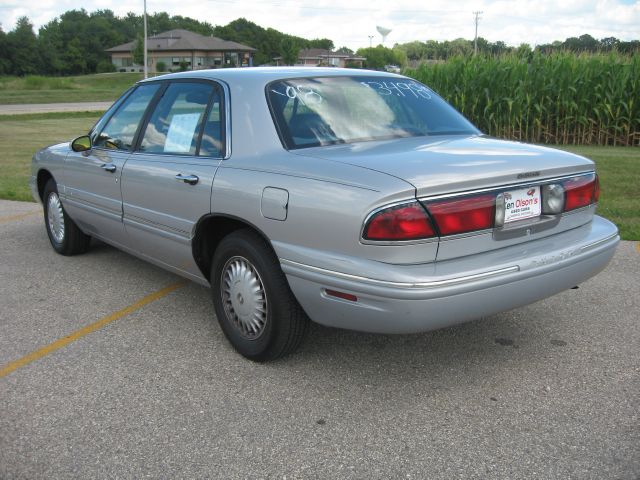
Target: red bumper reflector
column 342, row 295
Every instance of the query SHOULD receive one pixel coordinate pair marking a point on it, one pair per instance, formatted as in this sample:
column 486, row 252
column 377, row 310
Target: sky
column 352, row 23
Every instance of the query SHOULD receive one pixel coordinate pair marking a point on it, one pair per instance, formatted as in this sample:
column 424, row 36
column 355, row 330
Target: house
column 319, row 57
column 182, row 49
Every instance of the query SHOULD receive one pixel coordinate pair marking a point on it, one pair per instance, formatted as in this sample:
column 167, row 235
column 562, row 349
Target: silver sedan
column 357, row 199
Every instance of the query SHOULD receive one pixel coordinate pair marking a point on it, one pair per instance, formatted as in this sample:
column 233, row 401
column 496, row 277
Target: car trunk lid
column 441, row 166
column 448, row 164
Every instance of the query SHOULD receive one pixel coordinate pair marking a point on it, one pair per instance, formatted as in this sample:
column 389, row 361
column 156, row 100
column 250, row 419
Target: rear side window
column 178, row 119
column 309, row 112
column 212, row 141
column 120, row 129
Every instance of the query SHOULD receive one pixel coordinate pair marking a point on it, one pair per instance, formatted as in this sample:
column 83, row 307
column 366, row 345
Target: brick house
column 177, row 48
column 319, row 57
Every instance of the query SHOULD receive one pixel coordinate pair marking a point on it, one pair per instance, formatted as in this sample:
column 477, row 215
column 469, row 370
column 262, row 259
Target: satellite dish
column 384, row 32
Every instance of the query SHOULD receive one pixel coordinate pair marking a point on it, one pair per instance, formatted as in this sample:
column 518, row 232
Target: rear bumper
column 415, row 298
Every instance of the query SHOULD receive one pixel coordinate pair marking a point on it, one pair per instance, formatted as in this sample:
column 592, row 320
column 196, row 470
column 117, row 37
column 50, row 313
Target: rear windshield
column 327, row 110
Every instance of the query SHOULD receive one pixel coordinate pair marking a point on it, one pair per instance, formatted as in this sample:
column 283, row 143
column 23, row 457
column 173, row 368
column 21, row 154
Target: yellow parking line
column 638, row 247
column 11, row 218
column 78, row 334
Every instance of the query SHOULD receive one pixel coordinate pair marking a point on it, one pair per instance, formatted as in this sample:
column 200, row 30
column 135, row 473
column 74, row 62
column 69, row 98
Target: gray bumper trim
column 598, row 242
column 418, row 285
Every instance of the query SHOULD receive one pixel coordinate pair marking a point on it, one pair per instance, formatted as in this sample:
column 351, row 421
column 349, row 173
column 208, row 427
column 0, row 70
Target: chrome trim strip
column 227, row 118
column 505, row 187
column 384, row 283
column 598, row 242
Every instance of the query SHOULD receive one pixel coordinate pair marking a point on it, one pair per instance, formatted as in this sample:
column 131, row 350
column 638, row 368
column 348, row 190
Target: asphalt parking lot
column 551, row 390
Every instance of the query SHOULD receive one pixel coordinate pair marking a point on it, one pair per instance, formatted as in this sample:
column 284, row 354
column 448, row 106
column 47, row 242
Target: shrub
column 161, row 67
column 105, row 66
column 59, row 83
column 37, row 82
column 34, row 82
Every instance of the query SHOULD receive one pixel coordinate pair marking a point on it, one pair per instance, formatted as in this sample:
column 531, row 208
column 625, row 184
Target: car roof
column 268, row 74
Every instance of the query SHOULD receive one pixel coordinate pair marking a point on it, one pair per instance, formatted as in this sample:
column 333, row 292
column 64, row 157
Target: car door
column 92, row 178
column 166, row 183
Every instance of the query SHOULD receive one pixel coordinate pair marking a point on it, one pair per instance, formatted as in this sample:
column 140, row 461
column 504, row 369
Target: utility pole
column 145, row 39
column 370, row 40
column 475, row 40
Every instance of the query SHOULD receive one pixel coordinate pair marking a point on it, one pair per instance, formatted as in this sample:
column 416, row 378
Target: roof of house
column 177, row 39
column 322, row 53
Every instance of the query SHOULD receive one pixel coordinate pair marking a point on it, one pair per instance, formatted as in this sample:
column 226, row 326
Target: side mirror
column 81, row 144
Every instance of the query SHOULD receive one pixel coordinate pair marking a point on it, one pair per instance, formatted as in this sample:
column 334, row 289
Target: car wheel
column 65, row 236
column 253, row 302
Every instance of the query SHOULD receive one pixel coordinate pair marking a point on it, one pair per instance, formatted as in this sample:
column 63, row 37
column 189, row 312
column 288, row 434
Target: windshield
column 327, row 110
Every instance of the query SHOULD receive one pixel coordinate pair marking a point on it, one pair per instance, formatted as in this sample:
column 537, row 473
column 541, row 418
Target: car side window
column 120, row 130
column 212, row 142
column 177, row 120
column 97, row 128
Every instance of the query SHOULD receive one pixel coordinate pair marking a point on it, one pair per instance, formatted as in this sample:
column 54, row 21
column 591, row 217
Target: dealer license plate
column 521, row 204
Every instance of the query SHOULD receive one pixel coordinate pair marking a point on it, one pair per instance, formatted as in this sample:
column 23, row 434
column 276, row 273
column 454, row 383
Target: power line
column 475, row 39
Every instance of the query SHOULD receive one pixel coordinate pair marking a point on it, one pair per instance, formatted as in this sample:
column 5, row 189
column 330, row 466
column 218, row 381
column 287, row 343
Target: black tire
column 252, row 271
column 68, row 240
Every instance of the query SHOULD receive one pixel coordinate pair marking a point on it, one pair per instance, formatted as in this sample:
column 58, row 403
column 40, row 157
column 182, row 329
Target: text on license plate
column 521, row 204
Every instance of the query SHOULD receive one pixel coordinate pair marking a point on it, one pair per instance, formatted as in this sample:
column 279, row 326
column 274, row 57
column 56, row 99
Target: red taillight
column 581, row 191
column 463, row 214
column 404, row 222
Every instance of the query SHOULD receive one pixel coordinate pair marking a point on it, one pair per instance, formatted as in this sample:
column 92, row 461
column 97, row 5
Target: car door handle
column 190, row 179
column 109, row 167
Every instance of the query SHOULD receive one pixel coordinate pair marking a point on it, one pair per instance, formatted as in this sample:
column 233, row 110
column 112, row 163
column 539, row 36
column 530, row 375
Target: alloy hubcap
column 55, row 217
column 244, row 297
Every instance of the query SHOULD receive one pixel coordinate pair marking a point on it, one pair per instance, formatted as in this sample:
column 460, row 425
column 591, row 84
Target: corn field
column 559, row 98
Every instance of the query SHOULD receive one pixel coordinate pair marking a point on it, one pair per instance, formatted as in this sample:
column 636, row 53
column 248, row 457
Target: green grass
column 86, row 88
column 619, row 172
column 22, row 135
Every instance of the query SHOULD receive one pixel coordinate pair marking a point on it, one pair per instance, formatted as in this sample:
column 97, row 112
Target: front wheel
column 253, row 302
column 65, row 236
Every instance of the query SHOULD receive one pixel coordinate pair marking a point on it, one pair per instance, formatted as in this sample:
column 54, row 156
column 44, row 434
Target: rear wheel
column 65, row 236
column 255, row 307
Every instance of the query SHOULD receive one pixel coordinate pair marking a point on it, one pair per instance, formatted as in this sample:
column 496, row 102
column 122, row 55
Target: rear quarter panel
column 328, row 201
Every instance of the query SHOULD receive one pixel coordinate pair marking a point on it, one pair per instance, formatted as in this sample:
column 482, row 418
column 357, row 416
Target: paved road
column 53, row 107
column 551, row 390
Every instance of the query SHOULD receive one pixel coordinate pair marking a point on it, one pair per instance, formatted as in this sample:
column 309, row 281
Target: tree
column 74, row 58
column 345, row 51
column 137, row 51
column 24, row 54
column 413, row 50
column 378, row 57
column 498, row 48
column 609, row 43
column 323, row 43
column 524, row 50
column 51, row 48
column 289, row 51
column 5, row 63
